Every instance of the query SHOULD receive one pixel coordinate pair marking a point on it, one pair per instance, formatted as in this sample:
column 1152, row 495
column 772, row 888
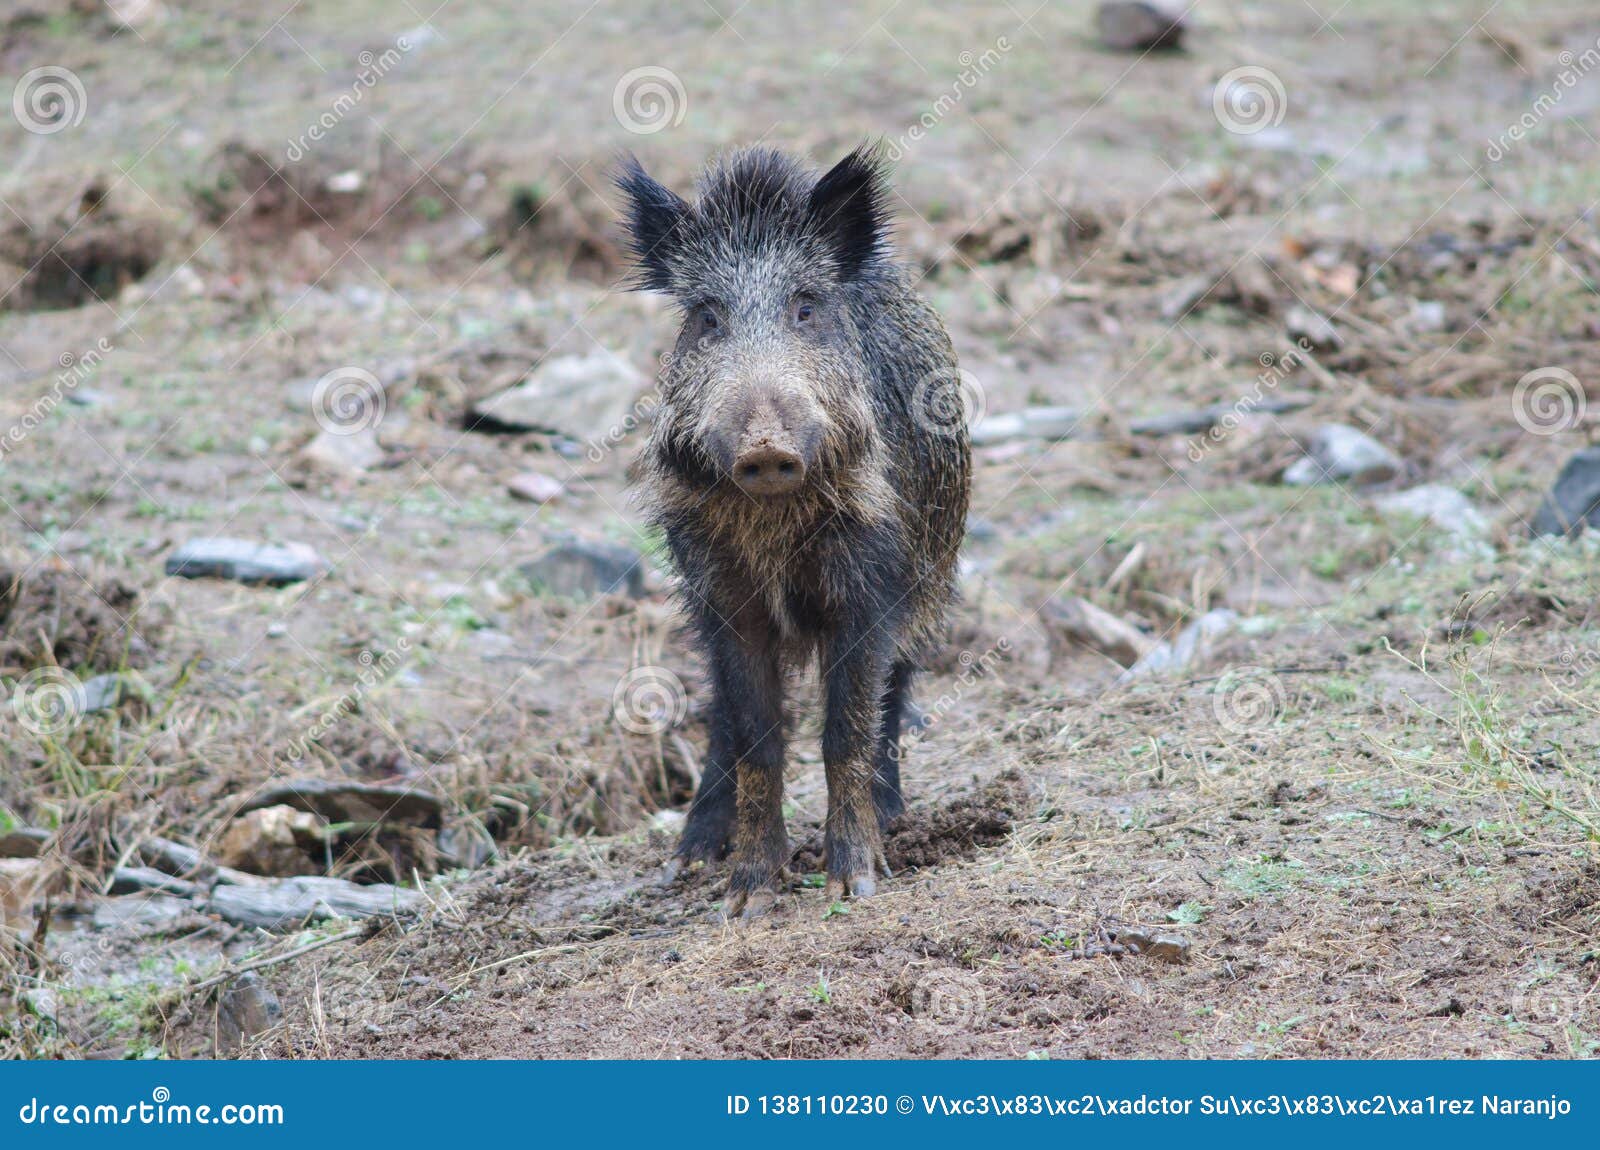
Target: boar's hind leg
column 886, row 797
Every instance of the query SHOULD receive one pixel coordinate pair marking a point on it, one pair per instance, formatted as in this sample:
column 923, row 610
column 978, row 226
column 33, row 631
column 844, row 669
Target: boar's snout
column 768, row 469
column 773, row 449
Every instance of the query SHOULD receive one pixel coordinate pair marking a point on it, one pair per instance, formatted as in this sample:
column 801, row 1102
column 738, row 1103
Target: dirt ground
column 1362, row 821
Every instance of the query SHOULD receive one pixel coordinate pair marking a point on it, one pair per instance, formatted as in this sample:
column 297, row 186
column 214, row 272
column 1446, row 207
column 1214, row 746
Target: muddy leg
column 886, row 797
column 750, row 698
column 856, row 674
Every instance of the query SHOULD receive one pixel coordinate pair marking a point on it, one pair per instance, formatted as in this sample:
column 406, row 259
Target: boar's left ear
column 848, row 209
column 655, row 215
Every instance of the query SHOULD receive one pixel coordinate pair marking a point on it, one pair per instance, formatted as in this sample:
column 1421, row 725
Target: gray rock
column 584, row 568
column 246, row 1007
column 149, row 913
column 535, row 487
column 1574, row 501
column 586, row 397
column 24, row 843
column 246, row 562
column 1138, row 25
column 1029, row 423
column 1444, row 507
column 347, row 801
column 1341, row 454
column 1313, row 328
column 286, row 904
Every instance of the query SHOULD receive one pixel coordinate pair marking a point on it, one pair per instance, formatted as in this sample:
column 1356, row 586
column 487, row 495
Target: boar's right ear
column 654, row 216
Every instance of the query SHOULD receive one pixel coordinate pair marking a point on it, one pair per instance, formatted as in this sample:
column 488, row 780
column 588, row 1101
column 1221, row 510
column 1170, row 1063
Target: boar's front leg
column 747, row 727
column 856, row 674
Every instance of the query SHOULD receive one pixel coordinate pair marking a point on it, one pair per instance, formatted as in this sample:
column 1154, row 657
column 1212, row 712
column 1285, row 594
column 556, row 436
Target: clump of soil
column 569, row 233
column 88, row 252
column 54, row 615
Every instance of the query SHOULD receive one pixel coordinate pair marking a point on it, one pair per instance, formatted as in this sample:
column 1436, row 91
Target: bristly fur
column 857, row 565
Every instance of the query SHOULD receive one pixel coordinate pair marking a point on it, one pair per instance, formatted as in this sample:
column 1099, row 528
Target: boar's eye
column 708, row 320
column 803, row 311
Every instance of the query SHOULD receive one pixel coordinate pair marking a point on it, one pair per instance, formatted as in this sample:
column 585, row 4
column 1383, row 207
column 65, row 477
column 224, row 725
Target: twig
column 275, row 959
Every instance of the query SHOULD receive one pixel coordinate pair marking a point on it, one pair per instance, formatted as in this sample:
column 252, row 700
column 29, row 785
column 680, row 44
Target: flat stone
column 1138, row 26
column 534, row 487
column 288, row 903
column 585, row 397
column 583, row 568
column 244, row 561
column 347, row 801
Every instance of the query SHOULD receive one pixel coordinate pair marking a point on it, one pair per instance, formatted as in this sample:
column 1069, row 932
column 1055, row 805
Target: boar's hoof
column 856, row 886
column 748, row 904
